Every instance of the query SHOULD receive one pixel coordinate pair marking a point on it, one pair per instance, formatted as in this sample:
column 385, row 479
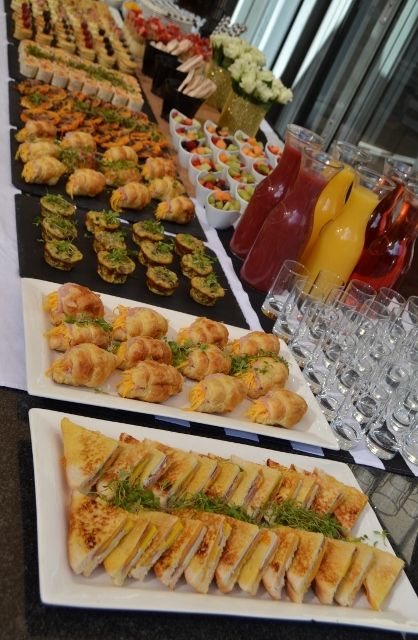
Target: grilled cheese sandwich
column 334, row 566
column 381, row 576
column 305, row 564
column 350, row 585
column 274, row 575
column 237, row 549
column 252, row 570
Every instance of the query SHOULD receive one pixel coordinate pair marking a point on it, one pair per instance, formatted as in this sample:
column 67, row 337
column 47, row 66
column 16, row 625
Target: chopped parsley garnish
column 83, row 320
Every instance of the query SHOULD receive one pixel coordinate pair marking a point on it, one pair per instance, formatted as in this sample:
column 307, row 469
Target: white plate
column 59, row 586
column 312, row 429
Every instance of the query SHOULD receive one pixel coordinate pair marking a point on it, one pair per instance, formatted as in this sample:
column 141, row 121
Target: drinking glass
column 402, row 411
column 380, row 440
column 346, row 427
column 357, row 293
column 293, row 309
column 349, row 153
column 291, row 273
column 327, row 282
column 409, row 447
column 312, row 328
column 392, row 299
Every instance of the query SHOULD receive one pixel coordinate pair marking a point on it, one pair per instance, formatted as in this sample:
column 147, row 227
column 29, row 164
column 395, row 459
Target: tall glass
column 341, row 241
column 285, row 232
column 273, row 188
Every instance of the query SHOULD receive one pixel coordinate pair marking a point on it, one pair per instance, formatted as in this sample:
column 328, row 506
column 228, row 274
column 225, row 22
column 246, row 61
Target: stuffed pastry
column 133, row 195
column 161, row 280
column 138, row 321
column 33, row 150
column 35, row 129
column 261, row 374
column 120, row 153
column 67, row 335
column 78, row 140
column 206, row 290
column 84, row 365
column 165, row 188
column 43, row 170
column 155, row 253
column 120, row 172
column 61, row 254
column 85, row 182
column 74, row 301
column 151, row 382
column 203, row 360
column 157, row 168
column 179, row 209
column 217, row 393
column 135, row 350
column 147, row 230
column 204, row 330
column 186, row 243
column 278, row 407
column 255, row 342
column 114, row 265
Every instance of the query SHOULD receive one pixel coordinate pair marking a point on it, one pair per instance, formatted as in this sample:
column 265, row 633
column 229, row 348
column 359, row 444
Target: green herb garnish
column 180, row 352
column 202, row 502
column 152, row 226
column 131, row 497
column 82, row 320
column 289, row 514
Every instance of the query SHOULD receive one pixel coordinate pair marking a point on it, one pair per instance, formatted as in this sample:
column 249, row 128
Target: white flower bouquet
column 226, row 49
column 257, row 85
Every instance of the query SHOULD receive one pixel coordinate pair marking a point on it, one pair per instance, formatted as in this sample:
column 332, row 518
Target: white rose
column 248, row 80
column 263, row 92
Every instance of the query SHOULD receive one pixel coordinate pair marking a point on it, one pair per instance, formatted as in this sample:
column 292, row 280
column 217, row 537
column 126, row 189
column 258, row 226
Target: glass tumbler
column 291, row 273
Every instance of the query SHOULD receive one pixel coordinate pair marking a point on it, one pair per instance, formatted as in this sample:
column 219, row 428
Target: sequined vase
column 222, row 78
column 239, row 113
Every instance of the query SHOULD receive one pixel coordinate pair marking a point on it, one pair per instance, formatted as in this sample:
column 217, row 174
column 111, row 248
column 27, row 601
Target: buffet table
column 394, row 496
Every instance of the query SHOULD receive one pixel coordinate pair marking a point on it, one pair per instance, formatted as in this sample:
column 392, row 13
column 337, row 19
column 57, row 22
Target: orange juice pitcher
column 340, row 242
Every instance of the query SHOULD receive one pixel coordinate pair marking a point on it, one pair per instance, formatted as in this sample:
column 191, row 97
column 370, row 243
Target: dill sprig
column 289, row 514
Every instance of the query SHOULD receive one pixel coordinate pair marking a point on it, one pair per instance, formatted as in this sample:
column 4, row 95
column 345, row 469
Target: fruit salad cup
column 250, row 152
column 199, row 163
column 192, row 146
column 178, row 119
column 237, row 175
column 222, row 209
column 244, row 194
column 218, row 144
column 273, row 153
column 212, row 129
column 261, row 169
column 208, row 182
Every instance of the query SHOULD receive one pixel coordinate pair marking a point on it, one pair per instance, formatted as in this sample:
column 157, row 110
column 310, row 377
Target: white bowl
column 193, row 172
column 220, row 219
column 203, row 192
column 244, row 204
column 259, row 176
column 226, row 166
column 208, row 134
column 216, row 150
column 173, row 123
column 177, row 136
column 248, row 160
column 234, row 182
column 237, row 137
column 183, row 154
column 273, row 158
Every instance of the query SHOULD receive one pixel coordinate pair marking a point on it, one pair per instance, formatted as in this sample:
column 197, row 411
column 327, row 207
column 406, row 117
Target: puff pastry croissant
column 75, row 301
column 67, row 335
column 84, row 365
column 43, row 170
column 204, row 330
column 263, row 374
column 151, row 382
column 157, row 168
column 179, row 209
column 204, row 360
column 278, row 407
column 138, row 321
column 137, row 349
column 254, row 342
column 114, row 154
column 78, row 140
column 32, row 150
column 165, row 188
column 132, row 195
column 85, row 182
column 217, row 393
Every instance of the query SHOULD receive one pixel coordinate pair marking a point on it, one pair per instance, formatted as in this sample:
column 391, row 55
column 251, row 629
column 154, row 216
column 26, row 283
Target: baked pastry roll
column 204, row 360
column 102, row 220
column 85, row 182
column 204, row 330
column 43, row 170
column 262, row 374
column 165, row 188
column 131, row 196
column 217, row 393
column 120, row 172
column 161, row 280
column 34, row 129
column 108, row 241
column 138, row 321
column 135, row 350
column 278, row 407
column 78, row 140
column 255, row 342
column 61, row 254
column 196, row 265
column 74, row 301
column 207, row 290
column 155, row 253
column 85, row 365
column 120, row 153
column 157, row 168
column 179, row 209
column 33, row 150
column 151, row 382
column 114, row 265
column 67, row 335
column 186, row 243
column 147, row 230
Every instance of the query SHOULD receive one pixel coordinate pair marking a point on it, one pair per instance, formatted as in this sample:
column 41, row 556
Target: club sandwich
column 351, row 584
column 237, row 549
column 334, row 566
column 381, row 577
column 253, row 568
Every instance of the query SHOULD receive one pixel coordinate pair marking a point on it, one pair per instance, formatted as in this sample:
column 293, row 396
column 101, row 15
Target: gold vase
column 239, row 113
column 222, row 78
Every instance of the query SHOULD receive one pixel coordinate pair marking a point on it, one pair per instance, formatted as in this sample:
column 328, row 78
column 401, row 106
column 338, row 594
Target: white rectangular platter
column 312, row 429
column 59, row 586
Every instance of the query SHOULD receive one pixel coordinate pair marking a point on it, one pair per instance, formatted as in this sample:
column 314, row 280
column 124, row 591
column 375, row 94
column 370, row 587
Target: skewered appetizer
column 179, row 209
column 161, row 280
column 85, row 365
column 155, row 253
column 115, row 265
column 198, row 361
column 165, row 188
column 61, row 254
column 158, row 168
column 43, row 170
column 89, row 330
column 138, row 321
column 196, row 264
column 37, row 149
column 58, row 228
column 85, row 182
column 255, row 342
column 186, row 243
column 73, row 301
column 109, row 240
column 206, row 291
column 56, row 205
column 206, row 331
column 151, row 382
column 130, row 196
column 217, row 393
column 35, row 130
column 260, row 374
column 102, row 221
column 135, row 350
column 147, row 230
column 278, row 407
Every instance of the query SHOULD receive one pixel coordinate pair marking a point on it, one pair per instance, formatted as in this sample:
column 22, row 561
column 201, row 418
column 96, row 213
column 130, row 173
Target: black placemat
column 32, row 265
